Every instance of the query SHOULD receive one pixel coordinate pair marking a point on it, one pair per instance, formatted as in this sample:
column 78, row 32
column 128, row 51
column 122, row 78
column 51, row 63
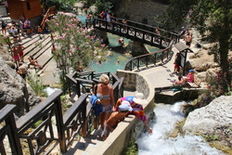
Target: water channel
column 159, row 142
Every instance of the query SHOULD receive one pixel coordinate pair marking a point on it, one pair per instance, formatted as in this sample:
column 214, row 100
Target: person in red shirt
column 188, row 78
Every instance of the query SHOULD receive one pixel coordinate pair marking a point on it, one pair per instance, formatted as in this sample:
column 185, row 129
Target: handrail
column 71, row 112
column 142, row 25
column 134, row 33
column 137, row 59
column 6, row 110
column 24, row 121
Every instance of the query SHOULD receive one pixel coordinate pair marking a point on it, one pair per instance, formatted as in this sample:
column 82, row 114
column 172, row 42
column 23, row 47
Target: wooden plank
column 6, row 110
column 85, row 80
column 37, row 109
column 71, row 112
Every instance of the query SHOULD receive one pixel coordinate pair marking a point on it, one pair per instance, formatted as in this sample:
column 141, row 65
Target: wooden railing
column 8, row 128
column 45, row 125
column 168, row 34
column 146, row 60
column 50, row 12
column 137, row 31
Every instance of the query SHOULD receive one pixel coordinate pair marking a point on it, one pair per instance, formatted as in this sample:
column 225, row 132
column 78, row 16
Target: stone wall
column 134, row 82
column 129, row 82
column 130, row 127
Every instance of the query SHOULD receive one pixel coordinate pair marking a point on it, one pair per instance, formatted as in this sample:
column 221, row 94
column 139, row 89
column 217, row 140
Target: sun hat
column 138, row 98
column 104, row 78
column 125, row 106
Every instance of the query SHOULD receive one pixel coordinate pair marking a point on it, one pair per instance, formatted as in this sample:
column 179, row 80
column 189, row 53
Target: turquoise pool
column 114, row 61
column 82, row 18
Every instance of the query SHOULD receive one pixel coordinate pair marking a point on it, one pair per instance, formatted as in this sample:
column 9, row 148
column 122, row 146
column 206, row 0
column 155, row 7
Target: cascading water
column 159, row 142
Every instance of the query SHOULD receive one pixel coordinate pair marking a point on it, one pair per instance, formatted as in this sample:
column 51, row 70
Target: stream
column 159, row 142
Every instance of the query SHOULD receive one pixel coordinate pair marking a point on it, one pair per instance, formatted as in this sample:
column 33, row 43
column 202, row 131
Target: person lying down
column 124, row 110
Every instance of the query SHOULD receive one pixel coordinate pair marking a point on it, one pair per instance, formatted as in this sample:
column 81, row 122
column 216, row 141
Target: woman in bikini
column 105, row 94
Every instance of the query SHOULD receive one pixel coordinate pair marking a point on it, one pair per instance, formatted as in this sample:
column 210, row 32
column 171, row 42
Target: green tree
column 60, row 4
column 75, row 47
column 213, row 18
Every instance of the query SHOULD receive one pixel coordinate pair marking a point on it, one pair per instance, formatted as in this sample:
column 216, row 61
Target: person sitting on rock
column 189, row 78
column 22, row 70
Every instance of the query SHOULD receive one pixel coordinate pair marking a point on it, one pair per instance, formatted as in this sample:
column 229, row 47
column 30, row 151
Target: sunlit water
column 159, row 142
column 112, row 63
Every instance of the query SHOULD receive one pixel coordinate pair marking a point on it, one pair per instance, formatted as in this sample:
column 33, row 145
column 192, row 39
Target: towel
column 97, row 108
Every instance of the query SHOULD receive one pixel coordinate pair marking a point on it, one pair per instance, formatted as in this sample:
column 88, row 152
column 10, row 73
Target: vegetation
column 213, row 19
column 74, row 46
column 36, row 85
column 132, row 148
column 60, row 4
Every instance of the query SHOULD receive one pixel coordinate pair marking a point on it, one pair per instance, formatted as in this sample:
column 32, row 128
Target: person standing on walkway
column 177, row 63
column 4, row 25
column 104, row 92
column 188, row 38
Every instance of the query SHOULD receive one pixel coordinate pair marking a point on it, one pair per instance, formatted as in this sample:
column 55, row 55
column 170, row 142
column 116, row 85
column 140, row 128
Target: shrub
column 36, row 85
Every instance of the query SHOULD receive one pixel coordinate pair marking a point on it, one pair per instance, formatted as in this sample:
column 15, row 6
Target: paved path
column 160, row 76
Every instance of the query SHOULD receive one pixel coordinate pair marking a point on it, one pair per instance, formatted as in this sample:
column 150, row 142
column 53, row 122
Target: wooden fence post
column 12, row 129
column 60, row 126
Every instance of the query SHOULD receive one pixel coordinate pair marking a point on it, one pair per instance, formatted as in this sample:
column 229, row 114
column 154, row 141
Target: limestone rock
column 215, row 118
column 13, row 89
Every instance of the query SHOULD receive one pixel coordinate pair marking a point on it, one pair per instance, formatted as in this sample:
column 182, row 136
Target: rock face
column 213, row 119
column 13, row 89
column 141, row 11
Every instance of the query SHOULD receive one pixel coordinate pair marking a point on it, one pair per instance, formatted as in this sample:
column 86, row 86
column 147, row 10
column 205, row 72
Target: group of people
column 14, row 29
column 106, row 15
column 110, row 113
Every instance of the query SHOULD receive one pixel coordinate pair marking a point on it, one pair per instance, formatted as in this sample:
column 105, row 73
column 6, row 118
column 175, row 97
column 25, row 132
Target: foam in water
column 159, row 142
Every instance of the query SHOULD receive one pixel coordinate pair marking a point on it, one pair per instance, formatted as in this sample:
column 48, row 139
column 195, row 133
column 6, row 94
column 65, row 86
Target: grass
column 36, row 85
column 132, row 148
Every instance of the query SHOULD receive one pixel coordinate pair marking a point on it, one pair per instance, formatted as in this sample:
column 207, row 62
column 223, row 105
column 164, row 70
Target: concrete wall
column 130, row 127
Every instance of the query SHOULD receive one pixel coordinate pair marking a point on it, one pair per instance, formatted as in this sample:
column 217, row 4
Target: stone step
column 33, row 44
column 38, row 50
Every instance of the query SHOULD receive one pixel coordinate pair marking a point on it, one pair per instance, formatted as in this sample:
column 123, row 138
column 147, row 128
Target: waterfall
column 159, row 142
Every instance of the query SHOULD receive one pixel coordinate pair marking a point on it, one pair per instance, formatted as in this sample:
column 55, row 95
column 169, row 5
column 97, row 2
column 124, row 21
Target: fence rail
column 135, row 33
column 46, row 125
column 148, row 59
